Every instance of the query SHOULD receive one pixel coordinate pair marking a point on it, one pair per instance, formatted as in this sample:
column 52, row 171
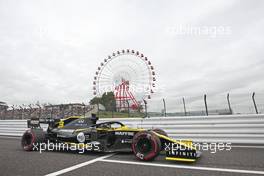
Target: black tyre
column 32, row 137
column 146, row 145
column 160, row 131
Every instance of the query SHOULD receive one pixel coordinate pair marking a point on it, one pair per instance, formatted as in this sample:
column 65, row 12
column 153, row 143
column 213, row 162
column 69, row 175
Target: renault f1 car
column 112, row 136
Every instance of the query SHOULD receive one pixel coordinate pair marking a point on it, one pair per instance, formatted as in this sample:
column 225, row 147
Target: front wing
column 179, row 150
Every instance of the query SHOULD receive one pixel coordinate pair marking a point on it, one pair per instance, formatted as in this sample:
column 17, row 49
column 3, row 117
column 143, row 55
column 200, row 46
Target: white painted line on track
column 185, row 167
column 248, row 146
column 78, row 166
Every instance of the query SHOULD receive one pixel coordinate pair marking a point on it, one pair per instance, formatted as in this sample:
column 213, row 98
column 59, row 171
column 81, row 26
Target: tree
column 107, row 100
column 95, row 100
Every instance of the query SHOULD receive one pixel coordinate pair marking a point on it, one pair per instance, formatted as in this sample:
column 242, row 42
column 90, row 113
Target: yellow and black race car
column 112, row 136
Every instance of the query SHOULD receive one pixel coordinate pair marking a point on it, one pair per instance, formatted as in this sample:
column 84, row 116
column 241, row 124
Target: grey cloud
column 49, row 51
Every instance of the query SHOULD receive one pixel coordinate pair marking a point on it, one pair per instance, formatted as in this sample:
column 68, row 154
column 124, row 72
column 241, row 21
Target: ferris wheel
column 127, row 73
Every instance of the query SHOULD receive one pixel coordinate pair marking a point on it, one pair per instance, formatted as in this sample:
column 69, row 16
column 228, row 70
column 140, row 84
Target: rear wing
column 35, row 123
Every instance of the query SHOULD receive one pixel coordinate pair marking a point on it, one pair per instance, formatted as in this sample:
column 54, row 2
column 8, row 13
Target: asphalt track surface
column 15, row 161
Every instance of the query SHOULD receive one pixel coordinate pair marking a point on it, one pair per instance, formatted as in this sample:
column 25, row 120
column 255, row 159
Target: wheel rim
column 144, row 146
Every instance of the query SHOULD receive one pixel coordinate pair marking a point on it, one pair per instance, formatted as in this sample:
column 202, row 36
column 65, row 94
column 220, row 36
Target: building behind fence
column 46, row 111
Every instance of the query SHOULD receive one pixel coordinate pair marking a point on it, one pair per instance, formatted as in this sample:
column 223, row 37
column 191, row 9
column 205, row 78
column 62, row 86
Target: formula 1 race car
column 112, row 136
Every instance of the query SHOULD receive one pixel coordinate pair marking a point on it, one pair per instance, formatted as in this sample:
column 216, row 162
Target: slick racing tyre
column 160, row 131
column 32, row 137
column 146, row 145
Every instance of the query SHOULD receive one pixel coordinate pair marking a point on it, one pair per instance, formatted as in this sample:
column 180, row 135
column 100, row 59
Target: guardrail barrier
column 248, row 129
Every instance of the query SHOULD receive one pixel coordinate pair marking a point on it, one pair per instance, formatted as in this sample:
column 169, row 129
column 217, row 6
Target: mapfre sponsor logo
column 121, row 133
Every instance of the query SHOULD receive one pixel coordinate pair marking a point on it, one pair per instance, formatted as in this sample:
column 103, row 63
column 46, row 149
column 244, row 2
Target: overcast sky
column 50, row 49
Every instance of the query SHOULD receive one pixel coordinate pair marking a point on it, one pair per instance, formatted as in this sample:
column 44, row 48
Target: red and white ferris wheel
column 127, row 73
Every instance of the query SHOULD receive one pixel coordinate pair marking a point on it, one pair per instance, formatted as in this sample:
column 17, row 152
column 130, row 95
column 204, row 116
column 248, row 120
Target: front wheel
column 146, row 145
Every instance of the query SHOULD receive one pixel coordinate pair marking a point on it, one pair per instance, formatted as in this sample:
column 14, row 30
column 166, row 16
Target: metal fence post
column 146, row 110
column 205, row 103
column 184, row 107
column 229, row 106
column 164, row 105
column 255, row 105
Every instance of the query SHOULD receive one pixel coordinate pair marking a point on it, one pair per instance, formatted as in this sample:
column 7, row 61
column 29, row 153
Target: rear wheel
column 31, row 138
column 146, row 145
